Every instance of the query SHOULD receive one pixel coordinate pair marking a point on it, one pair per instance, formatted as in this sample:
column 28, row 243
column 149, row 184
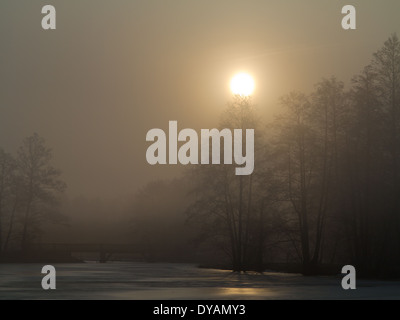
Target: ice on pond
column 149, row 281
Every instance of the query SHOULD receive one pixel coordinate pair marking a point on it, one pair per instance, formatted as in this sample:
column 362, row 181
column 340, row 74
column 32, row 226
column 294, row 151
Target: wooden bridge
column 105, row 251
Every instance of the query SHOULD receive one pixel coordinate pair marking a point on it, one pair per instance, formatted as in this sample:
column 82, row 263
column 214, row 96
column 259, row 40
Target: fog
column 77, row 102
column 111, row 71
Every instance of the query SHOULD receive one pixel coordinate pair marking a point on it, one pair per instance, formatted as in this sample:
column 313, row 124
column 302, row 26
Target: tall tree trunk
column 240, row 226
column 248, row 216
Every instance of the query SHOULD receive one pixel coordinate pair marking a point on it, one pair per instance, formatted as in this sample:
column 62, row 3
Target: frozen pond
column 149, row 281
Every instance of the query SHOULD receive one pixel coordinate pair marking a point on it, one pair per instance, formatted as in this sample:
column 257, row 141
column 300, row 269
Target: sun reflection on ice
column 246, row 293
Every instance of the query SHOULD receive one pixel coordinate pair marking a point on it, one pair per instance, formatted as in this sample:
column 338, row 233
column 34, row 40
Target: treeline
column 30, row 190
column 326, row 184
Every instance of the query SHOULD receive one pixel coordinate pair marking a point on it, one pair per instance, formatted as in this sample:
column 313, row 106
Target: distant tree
column 7, row 175
column 386, row 65
column 14, row 207
column 228, row 208
column 329, row 117
column 41, row 186
column 295, row 160
column 309, row 144
column 362, row 175
column 386, row 68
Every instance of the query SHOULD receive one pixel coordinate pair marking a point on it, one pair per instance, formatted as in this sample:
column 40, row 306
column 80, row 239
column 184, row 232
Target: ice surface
column 148, row 281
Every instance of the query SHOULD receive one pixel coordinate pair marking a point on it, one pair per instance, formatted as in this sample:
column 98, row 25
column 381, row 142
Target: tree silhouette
column 7, row 176
column 41, row 185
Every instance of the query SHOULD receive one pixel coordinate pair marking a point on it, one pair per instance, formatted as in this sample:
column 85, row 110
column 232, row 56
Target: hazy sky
column 115, row 69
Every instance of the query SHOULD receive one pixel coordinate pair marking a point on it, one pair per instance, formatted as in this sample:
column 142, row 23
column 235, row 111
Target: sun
column 242, row 84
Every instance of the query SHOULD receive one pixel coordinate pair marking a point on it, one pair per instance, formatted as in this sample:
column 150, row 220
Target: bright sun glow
column 242, row 84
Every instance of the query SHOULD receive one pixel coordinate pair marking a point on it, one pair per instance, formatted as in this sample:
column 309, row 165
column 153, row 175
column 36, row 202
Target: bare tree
column 386, row 63
column 309, row 146
column 295, row 145
column 41, row 185
column 226, row 204
column 7, row 172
